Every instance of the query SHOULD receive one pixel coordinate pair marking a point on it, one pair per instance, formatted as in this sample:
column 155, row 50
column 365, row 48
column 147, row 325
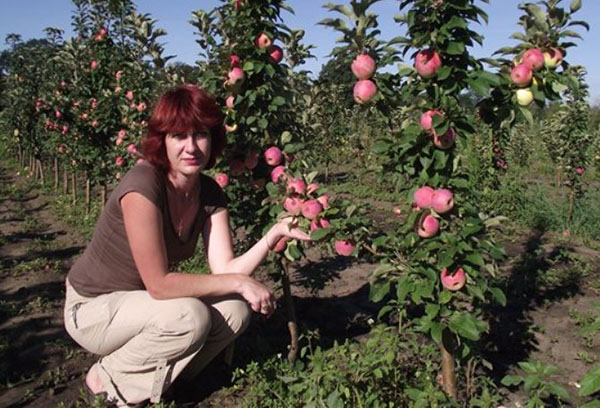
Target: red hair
column 186, row 108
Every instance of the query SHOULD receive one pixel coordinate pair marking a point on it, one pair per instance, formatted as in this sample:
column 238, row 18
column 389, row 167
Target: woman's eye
column 201, row 135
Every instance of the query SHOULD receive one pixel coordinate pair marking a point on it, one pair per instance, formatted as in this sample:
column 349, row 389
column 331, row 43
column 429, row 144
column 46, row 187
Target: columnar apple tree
column 441, row 261
column 539, row 72
column 266, row 172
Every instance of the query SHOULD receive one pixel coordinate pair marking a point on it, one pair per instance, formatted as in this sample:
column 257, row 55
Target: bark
column 65, row 181
column 73, row 188
column 40, row 169
column 21, row 156
column 291, row 313
column 55, row 174
column 102, row 197
column 87, row 194
column 571, row 207
column 448, row 372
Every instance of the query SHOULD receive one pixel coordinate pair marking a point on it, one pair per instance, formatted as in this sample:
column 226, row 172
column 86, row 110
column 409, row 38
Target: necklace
column 183, row 208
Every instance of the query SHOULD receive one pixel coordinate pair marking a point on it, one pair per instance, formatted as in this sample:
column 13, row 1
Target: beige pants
column 146, row 343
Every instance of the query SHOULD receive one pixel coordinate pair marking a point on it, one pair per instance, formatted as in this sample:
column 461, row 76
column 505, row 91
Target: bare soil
column 40, row 366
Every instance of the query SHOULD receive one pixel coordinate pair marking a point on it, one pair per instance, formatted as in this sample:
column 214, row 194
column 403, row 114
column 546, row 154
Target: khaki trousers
column 146, row 343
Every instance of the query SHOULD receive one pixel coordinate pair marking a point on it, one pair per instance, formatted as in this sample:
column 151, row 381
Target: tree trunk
column 65, row 181
column 448, row 372
column 40, row 168
column 102, row 197
column 55, row 174
column 87, row 194
column 571, row 207
column 291, row 313
column 73, row 188
column 21, row 156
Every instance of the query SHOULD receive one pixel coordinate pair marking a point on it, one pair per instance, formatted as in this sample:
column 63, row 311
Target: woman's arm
column 143, row 225
column 219, row 247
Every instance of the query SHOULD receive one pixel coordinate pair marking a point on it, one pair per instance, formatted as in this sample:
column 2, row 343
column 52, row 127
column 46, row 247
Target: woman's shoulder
column 144, row 172
column 145, row 179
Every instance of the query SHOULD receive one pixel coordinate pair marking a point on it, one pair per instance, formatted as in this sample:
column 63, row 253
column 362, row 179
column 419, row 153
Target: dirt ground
column 40, row 366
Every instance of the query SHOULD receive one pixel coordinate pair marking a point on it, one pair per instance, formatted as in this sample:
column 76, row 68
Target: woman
column 123, row 302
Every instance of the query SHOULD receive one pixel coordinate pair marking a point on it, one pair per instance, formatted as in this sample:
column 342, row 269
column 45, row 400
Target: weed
column 37, row 304
column 589, row 323
column 585, row 357
column 536, row 382
column 31, row 224
column 54, row 378
column 34, row 265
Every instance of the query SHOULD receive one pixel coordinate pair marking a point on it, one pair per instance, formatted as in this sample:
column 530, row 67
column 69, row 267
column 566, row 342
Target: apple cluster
column 436, row 203
column 522, row 74
column 363, row 68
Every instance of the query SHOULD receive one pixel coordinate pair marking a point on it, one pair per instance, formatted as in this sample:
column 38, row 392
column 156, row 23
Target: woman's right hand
column 260, row 298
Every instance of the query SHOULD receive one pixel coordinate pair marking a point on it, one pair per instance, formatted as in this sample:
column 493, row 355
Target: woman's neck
column 181, row 184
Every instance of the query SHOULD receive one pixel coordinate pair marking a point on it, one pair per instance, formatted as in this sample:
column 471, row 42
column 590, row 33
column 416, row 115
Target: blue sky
column 30, row 17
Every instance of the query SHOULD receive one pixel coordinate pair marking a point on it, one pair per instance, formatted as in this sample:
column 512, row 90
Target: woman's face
column 188, row 153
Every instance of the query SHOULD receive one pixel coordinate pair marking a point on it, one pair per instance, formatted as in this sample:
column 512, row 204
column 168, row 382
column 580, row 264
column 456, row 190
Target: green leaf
column 319, row 233
column 511, row 380
column 527, row 114
column 436, row 329
column 479, row 86
column 467, row 326
column 278, row 101
column 570, row 33
column 456, row 22
column 443, row 72
column 455, row 48
column 498, row 295
column 527, row 367
column 378, row 291
column 292, row 252
column 403, row 286
column 445, row 297
column 381, row 146
column 558, row 87
column 575, row 5
column 286, row 137
column 476, row 259
column 334, row 401
column 590, row 383
column 559, row 390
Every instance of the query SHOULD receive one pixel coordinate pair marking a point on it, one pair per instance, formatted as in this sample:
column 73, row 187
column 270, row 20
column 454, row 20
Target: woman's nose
column 190, row 144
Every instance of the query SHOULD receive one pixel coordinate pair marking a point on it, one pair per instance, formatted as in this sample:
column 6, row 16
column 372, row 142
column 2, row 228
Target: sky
column 29, row 18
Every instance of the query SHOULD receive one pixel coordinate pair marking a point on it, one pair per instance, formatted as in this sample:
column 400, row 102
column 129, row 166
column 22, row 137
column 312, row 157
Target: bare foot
column 92, row 379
